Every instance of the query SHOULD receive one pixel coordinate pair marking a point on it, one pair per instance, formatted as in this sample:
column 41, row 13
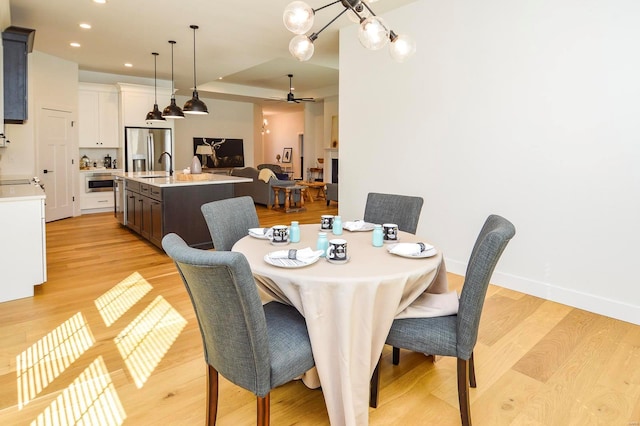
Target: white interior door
column 55, row 162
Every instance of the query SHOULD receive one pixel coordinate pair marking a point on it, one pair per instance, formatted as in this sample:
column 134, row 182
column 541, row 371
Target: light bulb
column 402, row 48
column 301, row 47
column 373, row 33
column 298, row 17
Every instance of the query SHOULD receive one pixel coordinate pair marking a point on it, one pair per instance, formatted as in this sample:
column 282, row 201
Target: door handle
column 45, row 171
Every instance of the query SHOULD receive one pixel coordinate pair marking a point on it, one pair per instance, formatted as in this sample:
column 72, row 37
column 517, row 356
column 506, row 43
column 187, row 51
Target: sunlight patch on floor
column 121, row 297
column 145, row 341
column 91, row 399
column 40, row 364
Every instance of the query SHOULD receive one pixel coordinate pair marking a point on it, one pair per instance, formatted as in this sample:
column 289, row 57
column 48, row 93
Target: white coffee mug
column 326, row 221
column 280, row 234
column 390, row 232
column 337, row 250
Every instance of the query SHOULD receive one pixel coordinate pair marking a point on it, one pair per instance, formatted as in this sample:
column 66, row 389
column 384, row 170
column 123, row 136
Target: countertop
column 163, row 180
column 9, row 193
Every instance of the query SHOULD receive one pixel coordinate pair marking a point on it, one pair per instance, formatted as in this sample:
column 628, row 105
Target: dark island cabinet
column 154, row 212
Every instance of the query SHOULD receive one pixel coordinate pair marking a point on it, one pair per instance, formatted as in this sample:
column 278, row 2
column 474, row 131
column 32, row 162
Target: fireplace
column 334, row 170
column 331, row 165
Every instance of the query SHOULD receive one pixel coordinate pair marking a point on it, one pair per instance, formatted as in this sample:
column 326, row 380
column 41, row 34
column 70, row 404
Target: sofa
column 260, row 191
column 275, row 168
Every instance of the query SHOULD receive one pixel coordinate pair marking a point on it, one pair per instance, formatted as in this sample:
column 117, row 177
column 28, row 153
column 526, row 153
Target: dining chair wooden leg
column 374, row 386
column 212, row 395
column 472, row 372
column 263, row 410
column 463, row 391
column 396, row 356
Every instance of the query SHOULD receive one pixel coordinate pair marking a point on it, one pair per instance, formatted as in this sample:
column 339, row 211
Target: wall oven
column 98, row 182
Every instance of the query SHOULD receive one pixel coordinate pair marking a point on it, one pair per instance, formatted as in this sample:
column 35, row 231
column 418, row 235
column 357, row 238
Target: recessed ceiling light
column 74, row 44
column 85, row 26
column 100, row 1
column 128, row 65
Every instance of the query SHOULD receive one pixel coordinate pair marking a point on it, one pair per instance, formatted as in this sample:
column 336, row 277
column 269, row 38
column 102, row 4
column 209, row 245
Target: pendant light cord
column 195, row 27
column 155, row 77
column 173, row 96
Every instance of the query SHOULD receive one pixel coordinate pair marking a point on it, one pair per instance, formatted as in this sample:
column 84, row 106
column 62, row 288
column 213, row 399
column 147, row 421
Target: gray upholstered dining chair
column 255, row 347
column 229, row 220
column 456, row 335
column 403, row 210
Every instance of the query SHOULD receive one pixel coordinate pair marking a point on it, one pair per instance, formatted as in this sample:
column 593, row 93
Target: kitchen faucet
column 170, row 162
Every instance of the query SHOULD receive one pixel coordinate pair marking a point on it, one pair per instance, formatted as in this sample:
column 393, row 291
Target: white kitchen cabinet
column 98, row 116
column 136, row 101
column 23, row 261
column 97, row 200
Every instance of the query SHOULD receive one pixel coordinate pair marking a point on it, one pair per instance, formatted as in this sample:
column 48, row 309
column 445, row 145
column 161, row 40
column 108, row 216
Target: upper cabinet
column 136, row 101
column 98, row 116
column 16, row 43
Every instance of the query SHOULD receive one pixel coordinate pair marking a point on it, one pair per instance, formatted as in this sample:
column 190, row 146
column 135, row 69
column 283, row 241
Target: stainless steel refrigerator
column 143, row 148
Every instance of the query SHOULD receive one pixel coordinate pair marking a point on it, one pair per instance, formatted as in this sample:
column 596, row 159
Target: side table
column 289, row 192
column 318, row 186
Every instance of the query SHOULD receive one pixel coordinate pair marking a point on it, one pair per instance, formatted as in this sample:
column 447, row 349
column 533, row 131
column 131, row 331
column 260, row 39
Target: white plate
column 259, row 236
column 339, row 262
column 365, row 228
column 289, row 263
column 422, row 255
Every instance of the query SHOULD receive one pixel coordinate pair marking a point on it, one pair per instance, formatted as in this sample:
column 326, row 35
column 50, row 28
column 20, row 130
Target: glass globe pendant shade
column 373, row 33
column 298, row 17
column 402, row 48
column 301, row 47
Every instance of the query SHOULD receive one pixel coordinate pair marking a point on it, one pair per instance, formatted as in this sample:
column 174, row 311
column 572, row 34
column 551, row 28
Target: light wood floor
column 112, row 335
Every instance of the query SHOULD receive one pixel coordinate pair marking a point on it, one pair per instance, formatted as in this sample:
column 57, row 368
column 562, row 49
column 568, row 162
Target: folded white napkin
column 429, row 305
column 261, row 232
column 304, row 255
column 353, row 225
column 410, row 249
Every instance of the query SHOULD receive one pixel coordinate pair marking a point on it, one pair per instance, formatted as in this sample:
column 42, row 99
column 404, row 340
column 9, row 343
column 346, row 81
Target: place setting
column 412, row 250
column 293, row 258
column 260, row 233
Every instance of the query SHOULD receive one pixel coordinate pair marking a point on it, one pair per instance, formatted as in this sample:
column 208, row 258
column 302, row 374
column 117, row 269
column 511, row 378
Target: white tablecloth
column 348, row 308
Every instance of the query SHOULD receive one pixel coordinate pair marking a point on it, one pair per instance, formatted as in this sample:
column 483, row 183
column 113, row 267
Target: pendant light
column 155, row 114
column 173, row 110
column 195, row 105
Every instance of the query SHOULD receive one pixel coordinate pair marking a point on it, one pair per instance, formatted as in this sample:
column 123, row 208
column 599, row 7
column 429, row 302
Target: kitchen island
column 154, row 204
column 23, row 261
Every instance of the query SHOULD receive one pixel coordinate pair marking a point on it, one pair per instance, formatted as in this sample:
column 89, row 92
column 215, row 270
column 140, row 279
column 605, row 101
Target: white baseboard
column 597, row 304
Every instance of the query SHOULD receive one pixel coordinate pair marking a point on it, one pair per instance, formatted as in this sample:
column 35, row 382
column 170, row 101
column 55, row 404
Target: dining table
column 348, row 307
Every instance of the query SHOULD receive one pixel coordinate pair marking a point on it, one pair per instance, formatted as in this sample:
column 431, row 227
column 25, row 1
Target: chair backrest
column 228, row 220
column 402, row 210
column 230, row 315
column 491, row 242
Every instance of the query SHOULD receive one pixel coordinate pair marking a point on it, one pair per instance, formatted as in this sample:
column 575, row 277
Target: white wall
column 525, row 109
column 226, row 119
column 52, row 83
column 285, row 129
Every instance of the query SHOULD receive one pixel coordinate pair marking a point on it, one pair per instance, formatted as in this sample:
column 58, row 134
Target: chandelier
column 374, row 34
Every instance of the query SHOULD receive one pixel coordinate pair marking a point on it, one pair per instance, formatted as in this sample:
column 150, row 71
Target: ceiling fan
column 290, row 96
